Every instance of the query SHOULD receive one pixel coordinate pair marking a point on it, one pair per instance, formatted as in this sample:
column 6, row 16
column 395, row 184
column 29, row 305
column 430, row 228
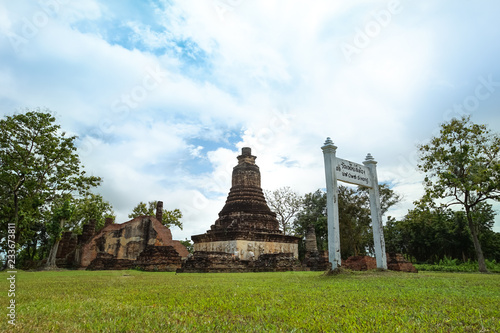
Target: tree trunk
column 477, row 244
column 51, row 260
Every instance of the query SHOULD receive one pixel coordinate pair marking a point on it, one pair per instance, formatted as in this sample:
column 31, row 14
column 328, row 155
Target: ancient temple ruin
column 246, row 236
column 142, row 243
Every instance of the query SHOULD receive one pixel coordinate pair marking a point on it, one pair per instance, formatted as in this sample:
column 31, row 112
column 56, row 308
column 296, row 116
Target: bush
column 453, row 265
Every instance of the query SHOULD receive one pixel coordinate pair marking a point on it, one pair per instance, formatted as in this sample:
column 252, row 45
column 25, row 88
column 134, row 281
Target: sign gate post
column 378, row 229
column 329, row 151
column 357, row 174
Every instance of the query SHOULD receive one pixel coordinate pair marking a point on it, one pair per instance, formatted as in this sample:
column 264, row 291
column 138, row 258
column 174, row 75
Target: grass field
column 134, row 301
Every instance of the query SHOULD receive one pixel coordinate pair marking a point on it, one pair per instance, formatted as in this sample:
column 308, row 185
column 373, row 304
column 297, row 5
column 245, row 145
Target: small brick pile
column 360, row 263
column 396, row 262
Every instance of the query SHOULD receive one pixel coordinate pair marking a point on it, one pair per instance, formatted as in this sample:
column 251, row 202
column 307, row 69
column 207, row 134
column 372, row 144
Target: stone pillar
column 378, row 229
column 311, row 244
column 159, row 211
column 329, row 151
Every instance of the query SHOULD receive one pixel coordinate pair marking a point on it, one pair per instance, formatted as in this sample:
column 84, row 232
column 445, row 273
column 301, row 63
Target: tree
column 91, row 207
column 188, row 244
column 38, row 165
column 313, row 212
column 428, row 234
column 356, row 234
column 61, row 214
column 170, row 217
column 388, row 197
column 286, row 204
column 463, row 164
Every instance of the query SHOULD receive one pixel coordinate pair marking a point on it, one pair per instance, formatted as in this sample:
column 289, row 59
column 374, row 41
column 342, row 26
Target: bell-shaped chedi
column 246, row 227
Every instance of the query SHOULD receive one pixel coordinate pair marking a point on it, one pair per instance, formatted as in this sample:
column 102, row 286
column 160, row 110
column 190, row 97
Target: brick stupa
column 246, row 227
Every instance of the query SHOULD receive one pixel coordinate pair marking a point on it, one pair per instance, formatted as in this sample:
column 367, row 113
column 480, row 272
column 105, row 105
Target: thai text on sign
column 352, row 173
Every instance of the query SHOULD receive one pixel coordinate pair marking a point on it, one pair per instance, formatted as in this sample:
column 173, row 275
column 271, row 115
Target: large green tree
column 170, row 217
column 462, row 165
column 428, row 234
column 39, row 164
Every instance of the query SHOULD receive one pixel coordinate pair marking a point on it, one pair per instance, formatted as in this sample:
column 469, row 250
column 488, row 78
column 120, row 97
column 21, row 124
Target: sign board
column 352, row 173
column 337, row 169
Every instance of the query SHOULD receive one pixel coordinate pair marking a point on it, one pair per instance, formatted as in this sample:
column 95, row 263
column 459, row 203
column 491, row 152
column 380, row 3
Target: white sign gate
column 357, row 174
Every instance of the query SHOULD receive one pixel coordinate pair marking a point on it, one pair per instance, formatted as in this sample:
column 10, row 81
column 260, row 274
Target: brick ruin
column 68, row 252
column 246, row 236
column 395, row 262
column 314, row 260
column 141, row 243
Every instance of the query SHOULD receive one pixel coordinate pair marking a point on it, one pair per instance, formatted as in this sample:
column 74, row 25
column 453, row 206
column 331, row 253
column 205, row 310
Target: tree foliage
column 313, row 213
column 39, row 165
column 169, row 218
column 286, row 204
column 429, row 234
column 91, row 207
column 188, row 244
column 462, row 165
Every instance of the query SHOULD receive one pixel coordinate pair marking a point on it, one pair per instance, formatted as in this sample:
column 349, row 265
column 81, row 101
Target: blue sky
column 163, row 94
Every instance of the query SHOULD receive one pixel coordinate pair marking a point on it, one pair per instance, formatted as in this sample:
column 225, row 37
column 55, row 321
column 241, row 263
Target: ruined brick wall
column 68, row 251
column 67, row 244
column 129, row 239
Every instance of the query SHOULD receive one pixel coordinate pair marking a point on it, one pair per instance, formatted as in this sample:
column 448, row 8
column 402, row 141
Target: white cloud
column 190, row 85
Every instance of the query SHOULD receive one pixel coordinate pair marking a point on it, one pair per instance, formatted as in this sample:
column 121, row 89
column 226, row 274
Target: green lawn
column 134, row 301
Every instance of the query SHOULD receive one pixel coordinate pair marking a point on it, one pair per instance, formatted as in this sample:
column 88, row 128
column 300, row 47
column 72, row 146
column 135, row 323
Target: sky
column 164, row 94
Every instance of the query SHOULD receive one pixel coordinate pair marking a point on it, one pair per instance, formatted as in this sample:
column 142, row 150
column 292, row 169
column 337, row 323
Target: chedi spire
column 246, row 207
